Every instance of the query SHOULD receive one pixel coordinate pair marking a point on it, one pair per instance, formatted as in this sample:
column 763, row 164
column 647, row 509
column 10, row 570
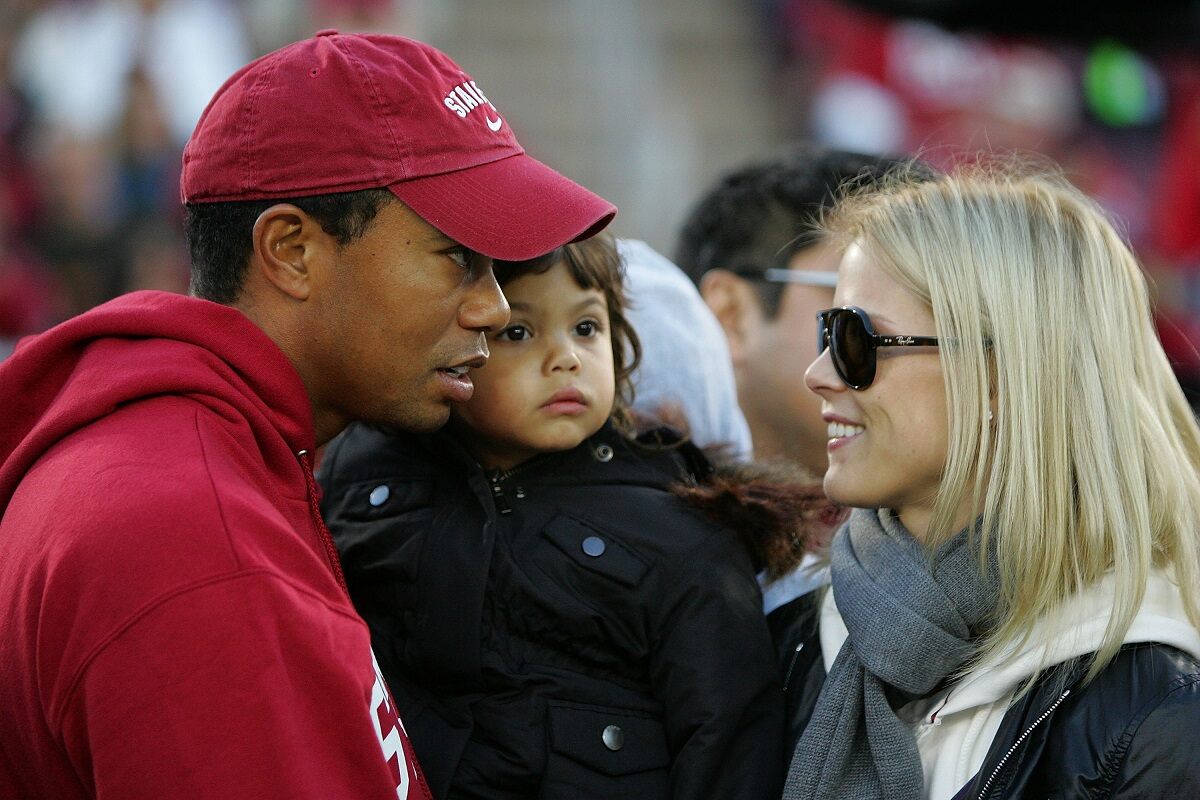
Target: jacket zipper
column 1018, row 742
column 323, row 536
column 787, row 679
column 497, row 477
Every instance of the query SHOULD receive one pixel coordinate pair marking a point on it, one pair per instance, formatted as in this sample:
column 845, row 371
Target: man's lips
column 456, row 379
column 566, row 401
column 474, row 361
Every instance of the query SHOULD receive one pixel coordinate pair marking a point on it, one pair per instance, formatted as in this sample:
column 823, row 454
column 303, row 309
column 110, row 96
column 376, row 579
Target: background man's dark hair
column 218, row 234
column 759, row 216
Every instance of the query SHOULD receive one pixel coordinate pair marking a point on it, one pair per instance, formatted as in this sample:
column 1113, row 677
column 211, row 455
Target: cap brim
column 513, row 209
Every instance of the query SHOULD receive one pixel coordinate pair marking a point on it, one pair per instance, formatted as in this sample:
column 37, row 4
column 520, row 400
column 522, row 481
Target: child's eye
column 587, row 328
column 513, row 333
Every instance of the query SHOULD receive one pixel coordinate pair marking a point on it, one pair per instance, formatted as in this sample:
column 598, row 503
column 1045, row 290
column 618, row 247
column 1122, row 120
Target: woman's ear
column 289, row 250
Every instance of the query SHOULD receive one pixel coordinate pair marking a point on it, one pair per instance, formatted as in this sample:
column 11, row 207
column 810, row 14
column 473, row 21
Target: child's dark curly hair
column 595, row 264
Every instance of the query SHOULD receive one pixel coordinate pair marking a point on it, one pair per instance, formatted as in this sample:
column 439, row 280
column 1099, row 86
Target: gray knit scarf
column 912, row 621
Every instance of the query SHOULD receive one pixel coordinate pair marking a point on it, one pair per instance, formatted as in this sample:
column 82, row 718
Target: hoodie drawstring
column 323, row 534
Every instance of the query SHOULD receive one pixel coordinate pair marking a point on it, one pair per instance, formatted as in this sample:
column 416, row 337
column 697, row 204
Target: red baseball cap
column 344, row 112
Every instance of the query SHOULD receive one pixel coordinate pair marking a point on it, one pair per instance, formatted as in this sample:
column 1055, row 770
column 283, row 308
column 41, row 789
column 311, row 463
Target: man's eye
column 461, row 256
column 513, row 333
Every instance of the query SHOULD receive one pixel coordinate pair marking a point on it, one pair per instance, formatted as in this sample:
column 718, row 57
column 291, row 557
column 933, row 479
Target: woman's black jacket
column 567, row 630
column 1132, row 732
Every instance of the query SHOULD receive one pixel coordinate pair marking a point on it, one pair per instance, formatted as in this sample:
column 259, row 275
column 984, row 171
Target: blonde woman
column 1014, row 607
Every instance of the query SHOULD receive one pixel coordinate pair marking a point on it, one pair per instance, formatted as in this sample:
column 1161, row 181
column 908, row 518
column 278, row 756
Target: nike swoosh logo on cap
column 495, row 124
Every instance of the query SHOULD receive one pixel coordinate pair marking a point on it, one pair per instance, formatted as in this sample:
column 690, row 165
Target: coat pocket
column 596, row 550
column 596, row 751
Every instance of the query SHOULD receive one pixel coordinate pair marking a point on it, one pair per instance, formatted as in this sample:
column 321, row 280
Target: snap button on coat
column 594, row 546
column 604, row 453
column 614, row 737
column 379, row 495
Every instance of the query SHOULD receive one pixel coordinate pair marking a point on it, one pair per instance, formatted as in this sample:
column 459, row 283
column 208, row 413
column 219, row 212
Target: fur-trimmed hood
column 778, row 510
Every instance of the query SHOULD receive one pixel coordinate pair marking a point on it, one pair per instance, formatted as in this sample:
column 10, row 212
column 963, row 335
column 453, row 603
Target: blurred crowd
column 1114, row 99
column 98, row 96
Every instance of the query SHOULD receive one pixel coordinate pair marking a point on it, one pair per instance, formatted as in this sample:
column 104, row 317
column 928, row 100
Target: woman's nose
column 821, row 376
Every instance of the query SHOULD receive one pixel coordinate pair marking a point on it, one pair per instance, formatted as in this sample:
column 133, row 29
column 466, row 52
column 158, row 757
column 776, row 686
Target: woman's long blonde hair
column 1092, row 462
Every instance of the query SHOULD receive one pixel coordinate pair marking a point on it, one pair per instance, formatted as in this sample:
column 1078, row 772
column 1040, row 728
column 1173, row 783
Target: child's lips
column 566, row 401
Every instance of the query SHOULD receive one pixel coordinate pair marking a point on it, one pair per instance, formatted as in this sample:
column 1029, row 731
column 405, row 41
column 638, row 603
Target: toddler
column 553, row 619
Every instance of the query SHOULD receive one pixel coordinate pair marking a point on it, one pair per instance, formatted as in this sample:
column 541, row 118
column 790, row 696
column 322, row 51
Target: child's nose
column 563, row 358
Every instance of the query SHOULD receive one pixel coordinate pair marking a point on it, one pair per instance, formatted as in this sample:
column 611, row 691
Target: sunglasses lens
column 853, row 357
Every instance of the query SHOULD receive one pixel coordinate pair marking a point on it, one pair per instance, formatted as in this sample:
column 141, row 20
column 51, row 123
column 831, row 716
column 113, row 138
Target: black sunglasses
column 852, row 341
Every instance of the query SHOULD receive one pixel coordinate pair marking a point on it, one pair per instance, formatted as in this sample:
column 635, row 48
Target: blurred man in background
column 747, row 244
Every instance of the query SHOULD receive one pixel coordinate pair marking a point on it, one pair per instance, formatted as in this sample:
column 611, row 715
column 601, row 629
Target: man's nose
column 485, row 308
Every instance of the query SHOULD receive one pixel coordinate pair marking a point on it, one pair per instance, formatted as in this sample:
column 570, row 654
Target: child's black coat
column 570, row 630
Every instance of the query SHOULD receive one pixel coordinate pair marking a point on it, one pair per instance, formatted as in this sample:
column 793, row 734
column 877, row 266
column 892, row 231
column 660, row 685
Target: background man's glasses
column 804, row 277
column 852, row 341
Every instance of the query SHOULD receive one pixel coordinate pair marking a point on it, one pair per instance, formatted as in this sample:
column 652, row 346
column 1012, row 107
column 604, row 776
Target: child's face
column 549, row 383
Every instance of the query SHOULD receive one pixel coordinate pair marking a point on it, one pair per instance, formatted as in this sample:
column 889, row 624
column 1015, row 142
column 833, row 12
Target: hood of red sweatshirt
column 137, row 346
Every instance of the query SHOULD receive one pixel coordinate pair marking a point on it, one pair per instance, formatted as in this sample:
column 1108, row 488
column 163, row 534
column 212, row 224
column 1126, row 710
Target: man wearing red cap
column 176, row 620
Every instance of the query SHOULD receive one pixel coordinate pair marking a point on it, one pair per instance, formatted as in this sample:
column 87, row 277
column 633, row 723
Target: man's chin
column 425, row 419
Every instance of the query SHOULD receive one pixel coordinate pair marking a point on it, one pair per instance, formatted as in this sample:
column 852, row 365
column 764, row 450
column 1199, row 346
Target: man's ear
column 735, row 304
column 290, row 247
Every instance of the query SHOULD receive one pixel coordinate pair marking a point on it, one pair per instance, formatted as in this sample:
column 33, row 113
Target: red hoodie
column 174, row 623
